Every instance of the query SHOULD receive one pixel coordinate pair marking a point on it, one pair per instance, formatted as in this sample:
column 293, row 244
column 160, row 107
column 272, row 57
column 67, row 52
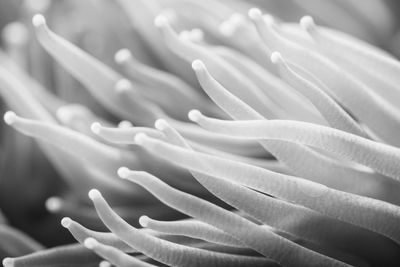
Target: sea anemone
column 200, row 133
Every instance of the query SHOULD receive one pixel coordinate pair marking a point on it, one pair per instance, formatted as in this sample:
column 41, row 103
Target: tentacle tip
column 196, row 34
column 66, row 222
column 307, row 22
column 104, row 264
column 122, row 56
column 140, row 138
column 269, row 19
column 38, row 20
column 276, row 57
column 160, row 21
column 95, row 127
column 125, row 124
column 64, row 114
column 144, row 221
column 15, row 33
column 10, row 117
column 90, row 243
column 123, row 172
column 184, row 35
column 255, row 14
column 226, row 28
column 94, row 193
column 8, row 262
column 123, row 85
column 198, row 65
column 161, row 124
column 53, row 204
column 194, row 115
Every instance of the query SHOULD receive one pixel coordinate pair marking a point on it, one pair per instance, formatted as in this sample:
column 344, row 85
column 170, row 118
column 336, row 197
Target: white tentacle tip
column 144, row 221
column 197, row 35
column 307, row 22
column 125, row 124
column 90, row 243
column 123, row 85
column 104, row 264
column 140, row 138
column 198, row 65
column 122, row 56
column 161, row 124
column 66, row 222
column 194, row 115
column 8, row 262
column 123, row 172
column 255, row 13
column 53, row 204
column 38, row 20
column 10, row 117
column 15, row 33
column 160, row 21
column 64, row 114
column 94, row 193
column 276, row 57
column 95, row 127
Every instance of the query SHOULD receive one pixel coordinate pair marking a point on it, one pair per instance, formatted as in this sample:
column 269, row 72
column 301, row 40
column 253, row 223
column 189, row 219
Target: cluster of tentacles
column 288, row 157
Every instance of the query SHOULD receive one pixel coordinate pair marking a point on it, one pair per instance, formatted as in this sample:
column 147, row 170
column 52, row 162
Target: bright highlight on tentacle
column 219, row 217
column 375, row 112
column 286, row 187
column 164, row 85
column 73, row 142
column 332, row 112
column 113, row 255
column 296, row 156
column 229, row 76
column 97, row 77
column 191, row 228
column 71, row 255
column 275, row 211
column 124, row 135
column 380, row 157
column 156, row 248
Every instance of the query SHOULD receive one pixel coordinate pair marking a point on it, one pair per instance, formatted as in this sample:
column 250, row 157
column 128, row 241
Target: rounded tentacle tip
column 226, row 28
column 122, row 56
column 197, row 34
column 255, row 14
column 8, row 262
column 144, row 221
column 307, row 22
column 10, row 117
column 104, row 264
column 125, row 124
column 140, row 138
column 15, row 33
column 123, row 172
column 53, row 204
column 184, row 35
column 38, row 20
column 194, row 115
column 161, row 124
column 66, row 222
column 64, row 114
column 95, row 127
column 90, row 243
column 123, row 85
column 198, row 65
column 160, row 21
column 94, row 193
column 276, row 57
